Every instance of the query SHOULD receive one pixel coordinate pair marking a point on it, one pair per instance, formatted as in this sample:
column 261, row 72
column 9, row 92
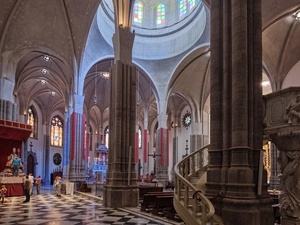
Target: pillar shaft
column 121, row 187
column 236, row 112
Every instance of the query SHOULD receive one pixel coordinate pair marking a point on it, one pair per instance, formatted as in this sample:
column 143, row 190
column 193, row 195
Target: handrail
column 198, row 210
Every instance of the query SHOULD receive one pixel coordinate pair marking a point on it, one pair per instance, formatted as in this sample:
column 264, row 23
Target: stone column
column 236, row 114
column 145, row 144
column 77, row 121
column 77, row 169
column 67, row 142
column 121, row 187
column 46, row 153
column 162, row 149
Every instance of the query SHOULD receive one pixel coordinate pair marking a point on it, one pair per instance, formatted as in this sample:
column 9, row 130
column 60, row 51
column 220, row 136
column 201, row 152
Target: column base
column 245, row 209
column 290, row 221
column 117, row 197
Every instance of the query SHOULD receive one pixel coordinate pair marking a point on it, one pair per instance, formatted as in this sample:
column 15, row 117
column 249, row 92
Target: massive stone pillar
column 77, row 169
column 236, row 114
column 77, row 120
column 162, row 150
column 46, row 176
column 121, row 189
column 67, row 143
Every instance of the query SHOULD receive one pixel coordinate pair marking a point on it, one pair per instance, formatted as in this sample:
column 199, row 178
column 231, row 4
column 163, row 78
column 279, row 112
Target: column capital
column 123, row 43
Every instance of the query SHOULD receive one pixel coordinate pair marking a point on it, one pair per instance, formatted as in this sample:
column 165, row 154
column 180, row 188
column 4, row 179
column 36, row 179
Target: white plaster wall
column 292, row 79
column 159, row 43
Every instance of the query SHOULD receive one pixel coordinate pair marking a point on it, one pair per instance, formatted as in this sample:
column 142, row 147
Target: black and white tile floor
column 48, row 209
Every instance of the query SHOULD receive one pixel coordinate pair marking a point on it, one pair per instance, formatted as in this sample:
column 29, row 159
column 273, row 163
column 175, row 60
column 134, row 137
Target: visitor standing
column 57, row 185
column 27, row 189
column 31, row 178
column 38, row 181
column 3, row 193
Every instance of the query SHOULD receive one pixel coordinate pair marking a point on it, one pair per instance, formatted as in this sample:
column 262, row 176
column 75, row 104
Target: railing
column 197, row 209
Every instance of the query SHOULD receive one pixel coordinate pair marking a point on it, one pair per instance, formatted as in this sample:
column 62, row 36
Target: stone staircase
column 189, row 201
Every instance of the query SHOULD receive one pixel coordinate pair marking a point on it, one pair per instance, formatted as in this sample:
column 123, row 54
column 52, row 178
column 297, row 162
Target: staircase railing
column 190, row 203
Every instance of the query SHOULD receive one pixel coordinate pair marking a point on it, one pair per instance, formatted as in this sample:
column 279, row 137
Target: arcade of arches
column 107, row 84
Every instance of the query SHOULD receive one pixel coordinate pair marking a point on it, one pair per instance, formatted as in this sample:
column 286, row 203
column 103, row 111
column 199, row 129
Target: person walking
column 38, row 181
column 27, row 189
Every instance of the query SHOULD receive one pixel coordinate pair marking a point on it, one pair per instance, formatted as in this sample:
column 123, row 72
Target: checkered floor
column 48, row 209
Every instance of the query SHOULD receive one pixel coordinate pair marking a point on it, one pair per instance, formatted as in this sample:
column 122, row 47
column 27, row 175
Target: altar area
column 14, row 185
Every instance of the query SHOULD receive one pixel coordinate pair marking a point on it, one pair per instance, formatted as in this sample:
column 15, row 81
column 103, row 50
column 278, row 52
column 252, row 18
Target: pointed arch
column 32, row 119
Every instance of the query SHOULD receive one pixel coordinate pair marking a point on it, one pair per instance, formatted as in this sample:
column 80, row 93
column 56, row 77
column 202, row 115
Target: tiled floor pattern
column 48, row 209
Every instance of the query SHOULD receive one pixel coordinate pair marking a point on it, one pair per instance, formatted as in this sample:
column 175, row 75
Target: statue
column 290, row 183
column 14, row 164
column 293, row 111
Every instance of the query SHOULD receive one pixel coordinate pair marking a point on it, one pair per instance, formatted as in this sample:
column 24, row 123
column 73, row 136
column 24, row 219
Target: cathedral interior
column 117, row 90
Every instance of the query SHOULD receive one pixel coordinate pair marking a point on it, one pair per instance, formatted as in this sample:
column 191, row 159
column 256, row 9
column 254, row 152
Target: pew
column 149, row 200
column 163, row 204
column 144, row 189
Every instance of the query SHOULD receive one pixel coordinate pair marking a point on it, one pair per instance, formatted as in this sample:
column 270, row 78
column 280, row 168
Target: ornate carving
column 293, row 111
column 290, row 183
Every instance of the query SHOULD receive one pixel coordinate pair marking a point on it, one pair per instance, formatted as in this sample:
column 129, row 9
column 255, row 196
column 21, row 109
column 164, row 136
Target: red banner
column 168, row 147
column 87, row 147
column 145, row 145
column 83, row 147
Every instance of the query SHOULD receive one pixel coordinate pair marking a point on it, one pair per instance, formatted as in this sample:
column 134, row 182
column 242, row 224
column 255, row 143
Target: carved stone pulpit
column 282, row 127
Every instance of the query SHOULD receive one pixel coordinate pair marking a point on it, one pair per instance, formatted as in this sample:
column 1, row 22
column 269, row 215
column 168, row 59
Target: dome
column 161, row 29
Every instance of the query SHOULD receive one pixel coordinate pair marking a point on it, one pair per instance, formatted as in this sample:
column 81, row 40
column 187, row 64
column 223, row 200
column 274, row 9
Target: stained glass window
column 140, row 137
column 161, row 14
column 182, row 8
column 192, row 4
column 32, row 120
column 106, row 136
column 138, row 12
column 56, row 131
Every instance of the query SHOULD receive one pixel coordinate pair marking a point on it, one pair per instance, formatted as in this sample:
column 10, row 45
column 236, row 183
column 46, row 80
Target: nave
column 77, row 209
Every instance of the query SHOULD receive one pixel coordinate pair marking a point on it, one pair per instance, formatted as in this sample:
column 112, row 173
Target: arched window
column 32, row 120
column 140, row 137
column 182, row 8
column 161, row 14
column 56, row 131
column 192, row 4
column 138, row 12
column 154, row 136
column 106, row 136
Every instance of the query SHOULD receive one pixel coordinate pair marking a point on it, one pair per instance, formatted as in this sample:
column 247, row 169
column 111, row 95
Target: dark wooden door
column 30, row 165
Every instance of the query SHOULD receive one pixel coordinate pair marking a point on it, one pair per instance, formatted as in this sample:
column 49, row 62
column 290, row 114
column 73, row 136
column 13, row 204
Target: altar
column 14, row 185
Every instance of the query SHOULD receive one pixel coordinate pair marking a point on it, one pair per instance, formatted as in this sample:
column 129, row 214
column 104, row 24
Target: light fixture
column 53, row 93
column 43, row 82
column 46, row 58
column 297, row 15
column 105, row 75
column 44, row 71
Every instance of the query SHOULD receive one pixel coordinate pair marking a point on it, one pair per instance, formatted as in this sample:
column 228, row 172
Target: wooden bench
column 170, row 185
column 149, row 200
column 162, row 205
column 145, row 189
